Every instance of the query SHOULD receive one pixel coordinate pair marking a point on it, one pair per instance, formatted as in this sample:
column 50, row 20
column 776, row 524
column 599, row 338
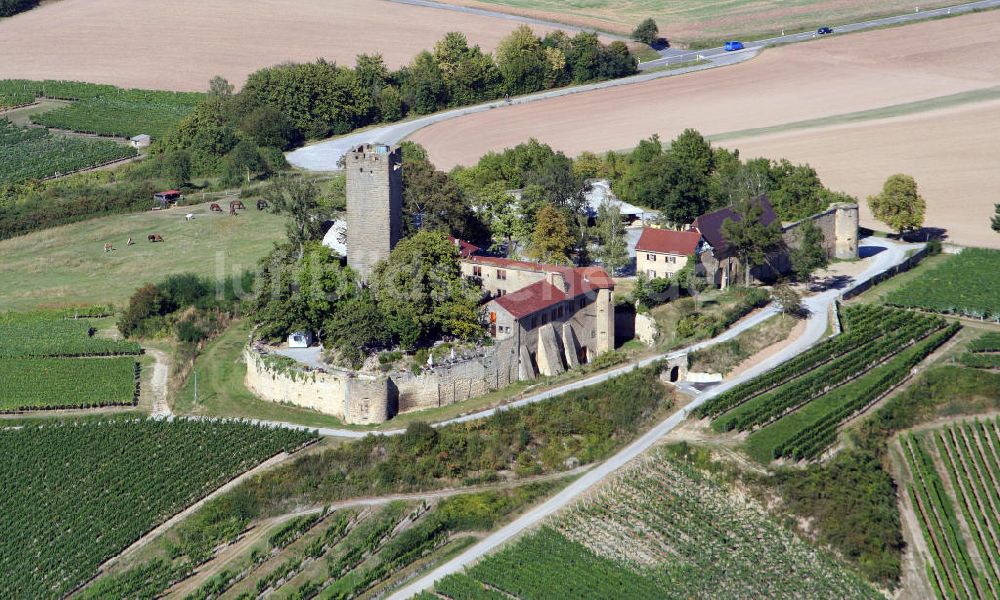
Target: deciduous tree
column 299, row 198
column 522, row 61
column 810, row 253
column 995, row 221
column 646, row 32
column 551, row 240
column 900, row 205
column 613, row 252
column 749, row 239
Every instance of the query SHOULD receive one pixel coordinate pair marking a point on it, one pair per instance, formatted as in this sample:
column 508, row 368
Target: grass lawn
column 880, row 291
column 724, row 357
column 68, row 265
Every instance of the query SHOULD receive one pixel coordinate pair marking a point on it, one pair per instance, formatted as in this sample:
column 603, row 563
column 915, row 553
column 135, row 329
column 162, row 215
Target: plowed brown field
column 795, row 83
column 181, row 44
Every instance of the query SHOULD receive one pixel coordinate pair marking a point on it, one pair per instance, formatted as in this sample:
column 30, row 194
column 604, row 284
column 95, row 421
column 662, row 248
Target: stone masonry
column 374, row 205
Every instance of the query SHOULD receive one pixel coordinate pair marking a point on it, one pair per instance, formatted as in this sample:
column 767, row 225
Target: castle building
column 374, row 205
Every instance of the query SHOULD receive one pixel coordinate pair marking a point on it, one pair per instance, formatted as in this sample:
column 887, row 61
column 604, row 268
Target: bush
column 646, row 32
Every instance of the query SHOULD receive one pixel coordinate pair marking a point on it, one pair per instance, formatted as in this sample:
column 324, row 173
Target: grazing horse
column 232, row 210
column 154, row 237
column 189, row 216
column 108, row 247
column 236, row 204
column 215, row 207
column 261, row 204
column 129, row 242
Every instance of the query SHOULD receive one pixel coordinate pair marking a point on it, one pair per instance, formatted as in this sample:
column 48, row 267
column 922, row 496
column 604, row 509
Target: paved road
column 324, row 156
column 819, row 306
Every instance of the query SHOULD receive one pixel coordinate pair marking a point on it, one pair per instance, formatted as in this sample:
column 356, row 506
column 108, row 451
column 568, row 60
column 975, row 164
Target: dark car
column 824, row 30
column 730, row 46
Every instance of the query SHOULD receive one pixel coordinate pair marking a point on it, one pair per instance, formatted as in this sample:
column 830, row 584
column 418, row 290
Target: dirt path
column 158, row 383
column 915, row 585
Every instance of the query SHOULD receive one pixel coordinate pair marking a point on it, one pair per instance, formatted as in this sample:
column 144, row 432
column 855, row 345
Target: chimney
column 557, row 279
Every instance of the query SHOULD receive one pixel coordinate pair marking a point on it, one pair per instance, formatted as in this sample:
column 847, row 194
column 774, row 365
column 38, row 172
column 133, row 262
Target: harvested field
column 684, row 22
column 949, row 153
column 795, row 83
column 181, row 44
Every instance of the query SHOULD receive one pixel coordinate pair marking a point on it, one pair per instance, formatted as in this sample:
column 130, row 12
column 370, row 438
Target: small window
column 651, row 257
column 501, row 292
column 673, row 259
column 501, row 274
column 651, row 273
column 477, row 271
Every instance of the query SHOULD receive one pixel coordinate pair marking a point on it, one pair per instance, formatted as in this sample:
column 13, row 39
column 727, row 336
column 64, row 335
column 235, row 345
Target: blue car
column 730, row 46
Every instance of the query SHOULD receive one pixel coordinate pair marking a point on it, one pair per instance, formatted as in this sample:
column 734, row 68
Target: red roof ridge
column 668, row 241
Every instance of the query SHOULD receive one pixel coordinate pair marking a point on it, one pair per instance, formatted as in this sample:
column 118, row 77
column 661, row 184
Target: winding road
column 819, row 305
column 325, row 155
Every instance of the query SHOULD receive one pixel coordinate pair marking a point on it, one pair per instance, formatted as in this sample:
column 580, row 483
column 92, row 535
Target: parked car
column 824, row 30
column 734, row 45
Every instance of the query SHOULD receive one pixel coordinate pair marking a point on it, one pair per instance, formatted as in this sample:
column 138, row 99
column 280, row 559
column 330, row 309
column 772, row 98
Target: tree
column 421, row 284
column 299, row 198
column 551, row 240
column 900, row 205
column 789, row 299
column 220, row 88
column 810, row 253
column 797, row 191
column 687, row 171
column 613, row 252
column 423, row 86
column 584, row 57
column 269, row 127
column 243, row 161
column 995, row 221
column 646, row 32
column 145, row 302
column 749, row 239
column 504, row 217
column 176, row 167
column 522, row 62
column 432, row 201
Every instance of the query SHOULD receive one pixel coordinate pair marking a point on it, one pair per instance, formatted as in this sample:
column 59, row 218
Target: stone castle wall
column 357, row 398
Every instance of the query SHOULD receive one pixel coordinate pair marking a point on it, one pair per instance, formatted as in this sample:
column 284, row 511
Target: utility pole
column 196, row 388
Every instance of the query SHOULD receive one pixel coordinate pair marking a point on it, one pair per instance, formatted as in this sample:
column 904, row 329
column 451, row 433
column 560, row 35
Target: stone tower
column 374, row 205
column 845, row 230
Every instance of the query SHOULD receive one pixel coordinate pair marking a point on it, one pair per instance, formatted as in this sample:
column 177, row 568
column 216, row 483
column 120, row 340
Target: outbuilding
column 300, row 339
column 167, row 198
column 140, row 141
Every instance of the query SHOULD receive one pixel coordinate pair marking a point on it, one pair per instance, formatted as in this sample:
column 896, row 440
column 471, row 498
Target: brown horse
column 236, row 204
column 108, row 247
column 154, row 237
column 215, row 208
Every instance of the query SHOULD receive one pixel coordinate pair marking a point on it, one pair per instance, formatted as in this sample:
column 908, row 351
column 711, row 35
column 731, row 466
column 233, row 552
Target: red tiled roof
column 465, row 249
column 531, row 299
column 668, row 241
column 579, row 280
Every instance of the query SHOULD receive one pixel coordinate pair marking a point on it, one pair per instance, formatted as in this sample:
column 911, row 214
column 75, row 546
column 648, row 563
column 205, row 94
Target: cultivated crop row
column 962, row 285
column 51, row 383
column 771, row 406
column 807, row 434
column 967, row 454
column 954, row 574
column 27, row 153
column 661, row 530
column 76, row 494
column 862, row 324
column 35, row 337
column 983, row 352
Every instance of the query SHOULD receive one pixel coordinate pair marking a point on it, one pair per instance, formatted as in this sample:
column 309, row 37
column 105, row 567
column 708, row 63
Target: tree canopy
column 646, row 32
column 749, row 239
column 900, row 205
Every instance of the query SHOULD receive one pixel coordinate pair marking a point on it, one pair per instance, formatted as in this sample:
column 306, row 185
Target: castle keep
column 374, row 205
column 543, row 318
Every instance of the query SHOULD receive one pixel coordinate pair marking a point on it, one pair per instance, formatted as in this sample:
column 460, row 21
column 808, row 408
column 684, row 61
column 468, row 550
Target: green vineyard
column 77, row 494
column 955, row 476
column 103, row 109
column 960, row 286
column 660, row 530
column 34, row 383
column 795, row 410
column 983, row 352
column 25, row 336
column 31, row 153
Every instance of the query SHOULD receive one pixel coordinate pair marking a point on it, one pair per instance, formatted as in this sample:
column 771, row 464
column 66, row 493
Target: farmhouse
column 664, row 252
